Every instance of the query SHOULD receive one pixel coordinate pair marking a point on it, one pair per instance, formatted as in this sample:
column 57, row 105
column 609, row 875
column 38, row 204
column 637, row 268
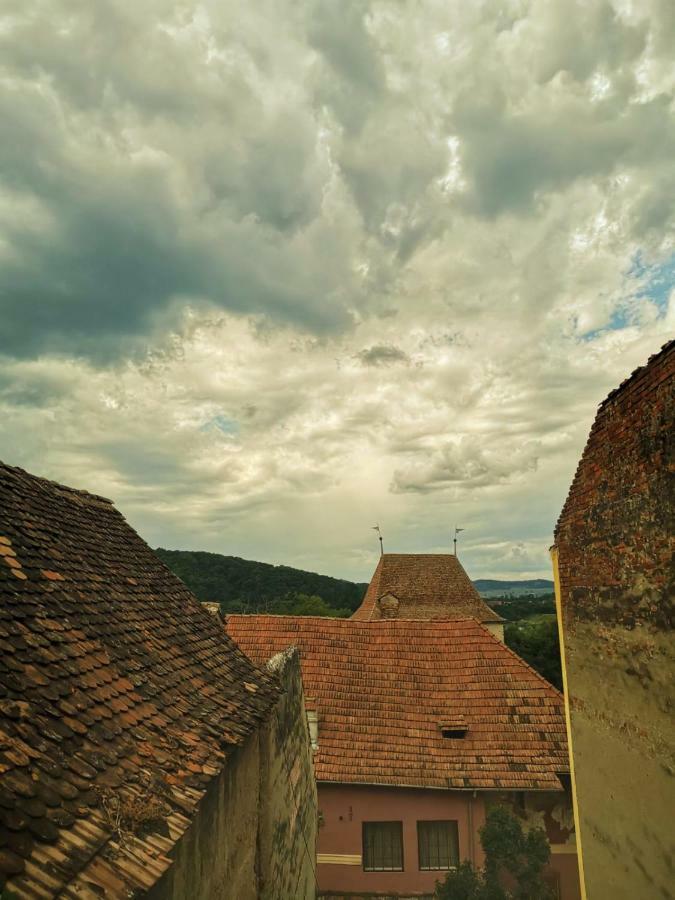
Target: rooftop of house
column 422, row 586
column 383, row 691
column 120, row 697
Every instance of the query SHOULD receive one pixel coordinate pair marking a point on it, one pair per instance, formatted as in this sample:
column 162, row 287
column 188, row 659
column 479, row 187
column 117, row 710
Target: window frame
column 453, row 857
column 372, row 868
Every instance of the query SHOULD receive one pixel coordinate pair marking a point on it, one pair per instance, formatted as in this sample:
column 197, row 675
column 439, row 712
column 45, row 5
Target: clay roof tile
column 93, row 646
column 382, row 689
column 422, row 586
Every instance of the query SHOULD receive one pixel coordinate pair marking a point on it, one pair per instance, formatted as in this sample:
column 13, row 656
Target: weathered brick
column 615, row 534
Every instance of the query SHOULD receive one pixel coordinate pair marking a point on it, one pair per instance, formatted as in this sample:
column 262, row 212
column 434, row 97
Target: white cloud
column 274, row 272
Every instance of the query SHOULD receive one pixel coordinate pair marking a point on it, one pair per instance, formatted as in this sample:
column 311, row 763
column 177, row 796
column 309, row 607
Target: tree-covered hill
column 491, row 587
column 242, row 584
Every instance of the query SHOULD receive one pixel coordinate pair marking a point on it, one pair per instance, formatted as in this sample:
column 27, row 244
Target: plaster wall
column 496, row 629
column 216, row 857
column 288, row 797
column 253, row 834
column 344, row 808
column 614, row 565
column 554, row 813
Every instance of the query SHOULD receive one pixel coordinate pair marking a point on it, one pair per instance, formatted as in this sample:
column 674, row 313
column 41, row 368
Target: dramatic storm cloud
column 272, row 272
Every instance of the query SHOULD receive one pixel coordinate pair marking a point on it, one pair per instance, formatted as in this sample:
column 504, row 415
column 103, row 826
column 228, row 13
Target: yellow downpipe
column 575, row 808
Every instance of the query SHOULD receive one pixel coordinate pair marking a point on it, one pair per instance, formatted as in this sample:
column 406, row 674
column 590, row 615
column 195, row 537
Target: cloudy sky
column 273, row 272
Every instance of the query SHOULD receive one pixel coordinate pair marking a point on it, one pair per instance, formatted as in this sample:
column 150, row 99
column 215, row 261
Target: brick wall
column 614, row 537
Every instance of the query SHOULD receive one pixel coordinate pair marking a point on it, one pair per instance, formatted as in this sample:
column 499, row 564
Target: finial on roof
column 379, row 533
column 454, row 540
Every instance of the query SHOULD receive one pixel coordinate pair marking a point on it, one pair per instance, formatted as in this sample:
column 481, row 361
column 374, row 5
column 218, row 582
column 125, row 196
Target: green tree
column 536, row 641
column 511, row 856
column 306, row 605
column 465, row 883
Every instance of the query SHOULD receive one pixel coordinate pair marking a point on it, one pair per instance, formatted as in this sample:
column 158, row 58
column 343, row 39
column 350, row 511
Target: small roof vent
column 454, row 727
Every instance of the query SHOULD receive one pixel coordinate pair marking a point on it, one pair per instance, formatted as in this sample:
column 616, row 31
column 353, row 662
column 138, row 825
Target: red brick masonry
column 616, row 534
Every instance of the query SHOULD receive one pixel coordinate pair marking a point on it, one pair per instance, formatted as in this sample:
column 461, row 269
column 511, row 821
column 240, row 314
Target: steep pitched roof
column 119, row 697
column 427, row 586
column 383, row 689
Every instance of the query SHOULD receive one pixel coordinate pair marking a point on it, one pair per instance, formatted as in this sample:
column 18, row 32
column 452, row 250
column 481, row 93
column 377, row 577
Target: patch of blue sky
column 658, row 280
column 223, row 424
column 644, row 281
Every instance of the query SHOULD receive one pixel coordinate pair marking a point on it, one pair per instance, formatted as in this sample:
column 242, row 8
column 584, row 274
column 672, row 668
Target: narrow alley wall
column 614, row 563
column 254, row 833
column 288, row 795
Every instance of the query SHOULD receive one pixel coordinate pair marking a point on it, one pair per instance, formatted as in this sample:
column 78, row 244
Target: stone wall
column 614, row 538
column 254, row 833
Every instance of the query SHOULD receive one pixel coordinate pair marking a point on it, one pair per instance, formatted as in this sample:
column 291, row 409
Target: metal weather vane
column 379, row 534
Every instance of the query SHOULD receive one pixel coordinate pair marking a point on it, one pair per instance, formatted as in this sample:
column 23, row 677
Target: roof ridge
column 54, row 485
column 421, row 623
column 447, row 553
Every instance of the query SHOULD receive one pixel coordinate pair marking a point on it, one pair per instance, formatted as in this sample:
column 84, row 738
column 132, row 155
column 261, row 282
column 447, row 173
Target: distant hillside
column 491, row 587
column 241, row 583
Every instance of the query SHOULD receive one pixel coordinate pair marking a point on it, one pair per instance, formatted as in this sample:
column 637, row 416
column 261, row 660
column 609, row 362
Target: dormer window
column 389, row 606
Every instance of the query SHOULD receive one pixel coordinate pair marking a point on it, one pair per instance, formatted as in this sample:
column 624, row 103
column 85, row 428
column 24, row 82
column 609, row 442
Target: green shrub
column 511, row 855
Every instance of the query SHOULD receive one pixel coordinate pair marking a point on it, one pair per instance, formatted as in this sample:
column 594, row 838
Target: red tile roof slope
column 383, row 688
column 115, row 684
column 427, row 586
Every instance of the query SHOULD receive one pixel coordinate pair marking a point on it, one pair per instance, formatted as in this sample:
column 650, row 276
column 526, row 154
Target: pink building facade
column 344, row 808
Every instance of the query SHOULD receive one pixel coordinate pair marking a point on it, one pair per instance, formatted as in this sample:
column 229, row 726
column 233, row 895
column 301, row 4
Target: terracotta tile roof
column 119, row 697
column 383, row 690
column 426, row 586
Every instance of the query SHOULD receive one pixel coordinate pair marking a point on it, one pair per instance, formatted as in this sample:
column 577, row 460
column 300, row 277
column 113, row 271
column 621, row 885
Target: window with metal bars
column 438, row 845
column 383, row 846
